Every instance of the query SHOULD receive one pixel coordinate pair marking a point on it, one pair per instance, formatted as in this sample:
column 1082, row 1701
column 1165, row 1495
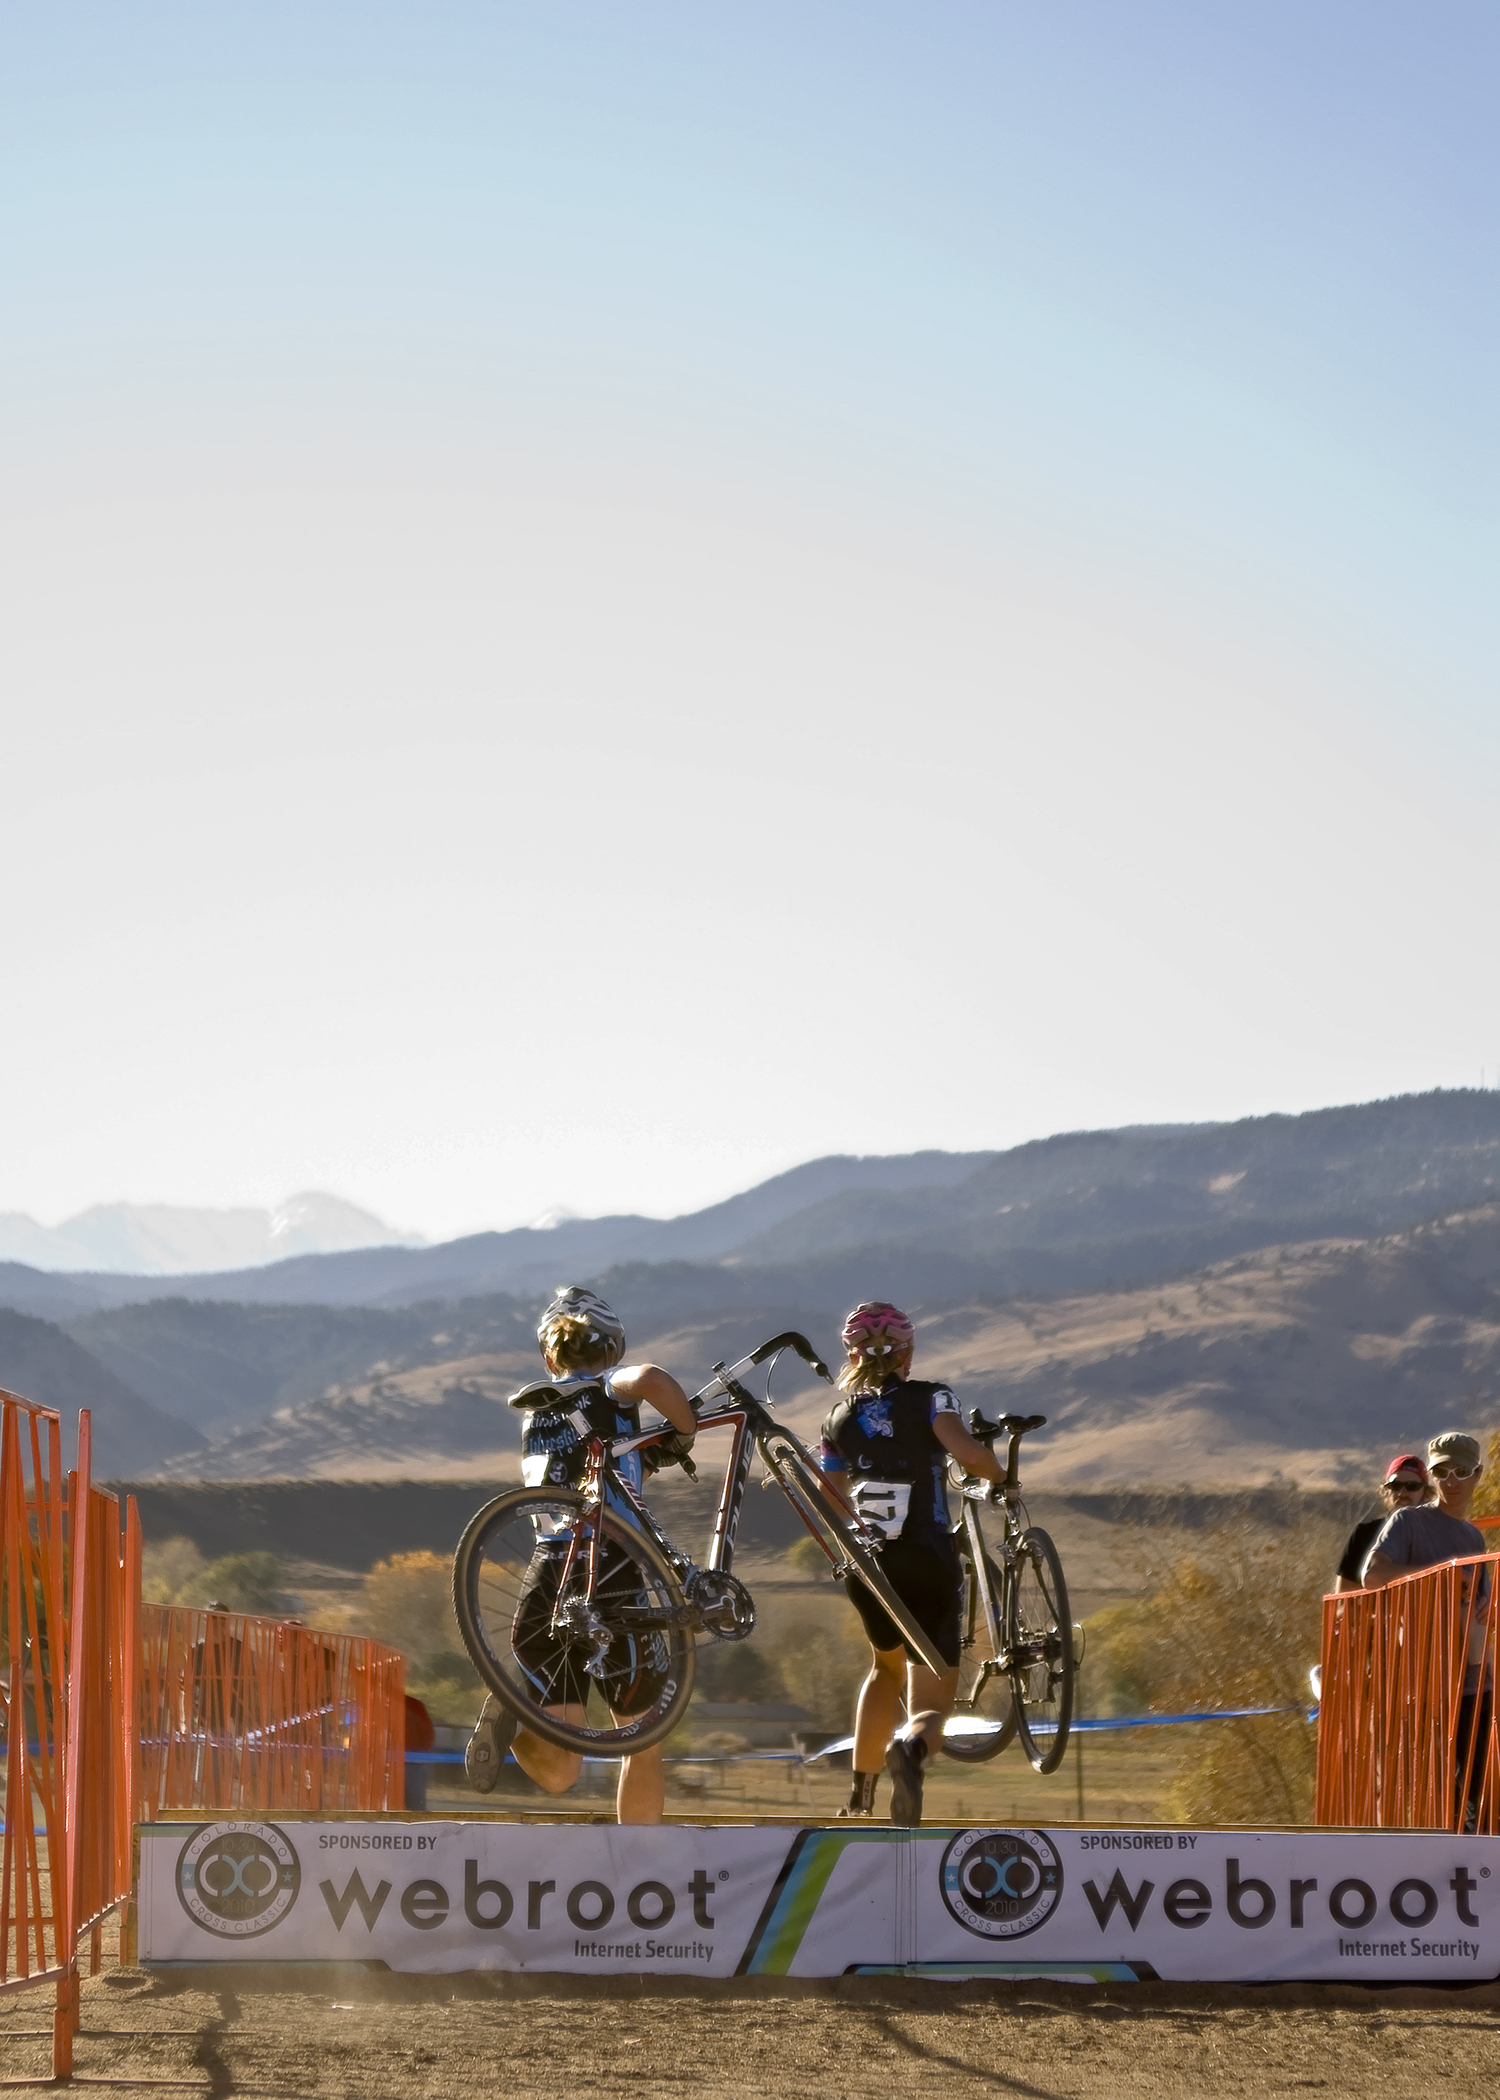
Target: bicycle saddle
column 542, row 1394
column 1012, row 1425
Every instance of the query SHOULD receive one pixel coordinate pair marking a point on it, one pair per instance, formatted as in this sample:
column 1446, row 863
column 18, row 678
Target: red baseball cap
column 1408, row 1462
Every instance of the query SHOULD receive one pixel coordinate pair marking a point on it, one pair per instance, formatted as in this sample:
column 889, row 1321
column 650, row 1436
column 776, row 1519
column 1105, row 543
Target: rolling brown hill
column 43, row 1364
column 1309, row 1362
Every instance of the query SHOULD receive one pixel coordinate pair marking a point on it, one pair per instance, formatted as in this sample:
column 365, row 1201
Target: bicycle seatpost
column 1018, row 1425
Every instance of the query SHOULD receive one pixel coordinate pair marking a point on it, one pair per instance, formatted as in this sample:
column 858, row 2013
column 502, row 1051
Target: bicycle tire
column 800, row 1482
column 502, row 1571
column 984, row 1687
column 1039, row 1637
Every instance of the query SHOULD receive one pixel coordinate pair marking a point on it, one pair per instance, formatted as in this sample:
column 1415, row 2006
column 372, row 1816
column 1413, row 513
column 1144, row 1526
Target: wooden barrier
column 1407, row 1735
column 246, row 1713
column 68, row 1637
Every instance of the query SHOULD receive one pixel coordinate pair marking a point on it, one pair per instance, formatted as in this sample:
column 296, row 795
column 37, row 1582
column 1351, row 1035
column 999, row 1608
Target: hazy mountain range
column 1194, row 1303
column 168, row 1239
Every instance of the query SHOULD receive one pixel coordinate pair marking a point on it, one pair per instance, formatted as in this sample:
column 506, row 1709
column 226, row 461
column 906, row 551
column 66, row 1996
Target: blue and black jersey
column 561, row 1415
column 897, row 1469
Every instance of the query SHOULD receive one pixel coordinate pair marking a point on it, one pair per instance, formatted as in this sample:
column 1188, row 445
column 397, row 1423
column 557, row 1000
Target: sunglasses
column 1441, row 1472
column 1406, row 1487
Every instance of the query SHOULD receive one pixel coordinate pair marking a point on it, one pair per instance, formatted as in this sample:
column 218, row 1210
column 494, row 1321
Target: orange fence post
column 34, row 1943
column 65, row 1888
column 1407, row 1728
column 240, row 1713
column 112, row 1710
column 67, row 1618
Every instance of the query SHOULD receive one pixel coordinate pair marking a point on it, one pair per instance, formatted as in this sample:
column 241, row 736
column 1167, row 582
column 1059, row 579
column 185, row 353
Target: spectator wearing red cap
column 1407, row 1485
column 1424, row 1538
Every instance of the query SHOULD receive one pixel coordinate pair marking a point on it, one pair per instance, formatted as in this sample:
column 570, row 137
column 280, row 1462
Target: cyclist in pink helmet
column 872, row 1331
column 886, row 1447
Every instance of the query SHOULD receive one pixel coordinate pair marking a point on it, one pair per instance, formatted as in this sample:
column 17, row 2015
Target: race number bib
column 882, row 1504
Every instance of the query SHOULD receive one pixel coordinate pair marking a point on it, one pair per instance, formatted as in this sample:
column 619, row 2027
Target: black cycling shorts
column 927, row 1580
column 635, row 1664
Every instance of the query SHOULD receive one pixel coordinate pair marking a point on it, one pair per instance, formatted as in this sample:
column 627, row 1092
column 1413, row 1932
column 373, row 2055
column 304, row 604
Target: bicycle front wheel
column 984, row 1688
column 1039, row 1643
column 573, row 1618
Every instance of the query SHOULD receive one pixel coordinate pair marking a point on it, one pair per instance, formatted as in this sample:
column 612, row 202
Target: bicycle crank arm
column 993, row 1668
column 684, row 1618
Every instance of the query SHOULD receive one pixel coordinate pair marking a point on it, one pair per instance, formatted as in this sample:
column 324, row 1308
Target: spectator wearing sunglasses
column 1407, row 1485
column 1424, row 1538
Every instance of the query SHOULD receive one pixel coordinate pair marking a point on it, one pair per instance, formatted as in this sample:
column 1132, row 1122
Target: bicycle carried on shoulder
column 1017, row 1663
column 581, row 1615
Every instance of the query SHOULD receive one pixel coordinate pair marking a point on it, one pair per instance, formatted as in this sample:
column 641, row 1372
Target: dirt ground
column 356, row 2032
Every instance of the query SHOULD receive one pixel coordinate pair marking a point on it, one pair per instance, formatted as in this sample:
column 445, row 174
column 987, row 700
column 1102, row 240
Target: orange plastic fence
column 238, row 1712
column 1406, row 1726
column 68, row 1637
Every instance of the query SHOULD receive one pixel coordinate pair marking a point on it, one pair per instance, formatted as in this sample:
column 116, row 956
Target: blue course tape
column 741, row 1757
column 1108, row 1724
column 1105, row 1725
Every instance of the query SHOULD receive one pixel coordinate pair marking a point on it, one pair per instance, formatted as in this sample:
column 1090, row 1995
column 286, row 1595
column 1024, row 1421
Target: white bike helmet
column 572, row 1302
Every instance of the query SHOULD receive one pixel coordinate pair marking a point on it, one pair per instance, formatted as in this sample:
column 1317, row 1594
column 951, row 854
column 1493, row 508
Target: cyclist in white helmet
column 581, row 1341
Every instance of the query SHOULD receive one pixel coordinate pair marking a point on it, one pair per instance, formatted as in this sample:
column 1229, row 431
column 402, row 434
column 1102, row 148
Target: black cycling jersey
column 898, row 1469
column 560, row 1416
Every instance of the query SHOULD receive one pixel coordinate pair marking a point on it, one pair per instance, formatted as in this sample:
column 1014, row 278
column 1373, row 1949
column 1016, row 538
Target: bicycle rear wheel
column 1039, row 1638
column 564, row 1606
column 801, row 1483
column 984, row 1688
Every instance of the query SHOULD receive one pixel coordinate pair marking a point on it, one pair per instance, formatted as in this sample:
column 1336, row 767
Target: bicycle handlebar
column 723, row 1374
column 792, row 1340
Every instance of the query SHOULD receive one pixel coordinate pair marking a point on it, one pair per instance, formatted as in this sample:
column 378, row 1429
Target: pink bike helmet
column 878, row 1329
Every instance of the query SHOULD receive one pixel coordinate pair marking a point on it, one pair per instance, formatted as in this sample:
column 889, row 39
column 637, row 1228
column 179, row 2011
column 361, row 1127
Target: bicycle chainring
column 727, row 1607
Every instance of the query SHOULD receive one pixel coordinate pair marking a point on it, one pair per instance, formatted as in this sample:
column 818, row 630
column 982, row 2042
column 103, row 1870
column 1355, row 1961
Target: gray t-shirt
column 1425, row 1536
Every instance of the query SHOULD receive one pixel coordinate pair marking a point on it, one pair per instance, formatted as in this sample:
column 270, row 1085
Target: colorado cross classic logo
column 1001, row 1884
column 237, row 1880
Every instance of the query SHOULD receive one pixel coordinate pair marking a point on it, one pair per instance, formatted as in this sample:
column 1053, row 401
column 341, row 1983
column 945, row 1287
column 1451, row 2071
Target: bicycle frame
column 1002, row 1658
column 749, row 1419
column 752, row 1425
column 975, row 1492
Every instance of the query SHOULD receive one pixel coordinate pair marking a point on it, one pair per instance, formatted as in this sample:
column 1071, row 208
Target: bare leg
column 879, row 1708
column 929, row 1701
column 643, row 1791
column 553, row 1768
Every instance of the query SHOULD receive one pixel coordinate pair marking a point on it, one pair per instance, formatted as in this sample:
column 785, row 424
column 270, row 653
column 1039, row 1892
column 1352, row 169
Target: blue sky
column 520, row 519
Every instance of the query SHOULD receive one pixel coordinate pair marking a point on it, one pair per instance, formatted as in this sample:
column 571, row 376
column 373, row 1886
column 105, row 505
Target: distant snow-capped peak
column 169, row 1239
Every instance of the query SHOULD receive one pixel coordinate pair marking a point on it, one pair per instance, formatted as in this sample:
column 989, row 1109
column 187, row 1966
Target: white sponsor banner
column 583, row 1898
column 594, row 1899
column 1212, row 1905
